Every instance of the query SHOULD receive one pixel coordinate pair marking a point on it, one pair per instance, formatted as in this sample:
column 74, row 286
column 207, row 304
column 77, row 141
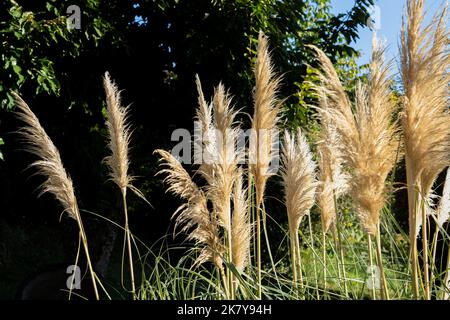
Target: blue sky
column 390, row 23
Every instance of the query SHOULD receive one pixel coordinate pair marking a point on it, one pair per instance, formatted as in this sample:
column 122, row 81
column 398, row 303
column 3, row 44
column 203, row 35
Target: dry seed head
column 265, row 116
column 426, row 116
column 298, row 173
column 193, row 216
column 333, row 181
column 241, row 228
column 119, row 135
column 49, row 165
column 368, row 136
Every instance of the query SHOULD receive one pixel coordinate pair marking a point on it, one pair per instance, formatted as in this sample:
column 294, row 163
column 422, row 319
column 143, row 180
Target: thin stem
column 258, row 249
column 338, row 258
column 446, row 285
column 230, row 256
column 412, row 198
column 88, row 257
column 314, row 260
column 384, row 287
column 76, row 264
column 324, row 258
column 225, row 282
column 298, row 258
column 128, row 239
column 266, row 236
column 294, row 263
column 434, row 252
column 369, row 247
column 341, row 250
column 425, row 250
column 251, row 214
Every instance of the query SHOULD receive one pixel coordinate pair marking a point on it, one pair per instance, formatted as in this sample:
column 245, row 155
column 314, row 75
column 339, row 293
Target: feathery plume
column 333, row 181
column 443, row 211
column 241, row 228
column 49, row 165
column 58, row 182
column 265, row 117
column 264, row 123
column 298, row 173
column 119, row 135
column 426, row 117
column 331, row 86
column 193, row 216
column 369, row 135
column 205, row 140
column 223, row 173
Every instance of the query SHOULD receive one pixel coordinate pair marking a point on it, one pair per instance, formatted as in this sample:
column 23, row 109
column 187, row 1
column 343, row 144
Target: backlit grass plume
column 222, row 177
column 50, row 166
column 426, row 117
column 264, row 121
column 223, row 189
column 443, row 211
column 193, row 216
column 223, row 170
column 117, row 161
column 299, row 180
column 333, row 181
column 241, row 228
column 119, row 135
column 205, row 140
column 369, row 138
column 332, row 96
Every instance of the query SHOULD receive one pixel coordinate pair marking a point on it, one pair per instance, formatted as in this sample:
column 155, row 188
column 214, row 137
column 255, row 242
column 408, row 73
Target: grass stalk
column 369, row 248
column 266, row 236
column 324, row 258
column 294, row 264
column 384, row 285
column 128, row 242
column 412, row 203
column 230, row 257
column 49, row 165
column 258, row 251
column 426, row 271
column 298, row 260
column 446, row 286
column 316, row 275
column 341, row 259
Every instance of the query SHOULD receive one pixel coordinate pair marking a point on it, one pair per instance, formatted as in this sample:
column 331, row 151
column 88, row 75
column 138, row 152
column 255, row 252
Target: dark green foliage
column 153, row 49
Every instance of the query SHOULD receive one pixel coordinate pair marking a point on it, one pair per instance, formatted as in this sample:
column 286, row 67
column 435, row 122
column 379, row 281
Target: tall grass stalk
column 194, row 217
column 372, row 276
column 384, row 284
column 368, row 136
column 424, row 69
column 118, row 161
column 58, row 183
column 324, row 264
column 298, row 174
column 340, row 249
column 311, row 239
column 264, row 121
